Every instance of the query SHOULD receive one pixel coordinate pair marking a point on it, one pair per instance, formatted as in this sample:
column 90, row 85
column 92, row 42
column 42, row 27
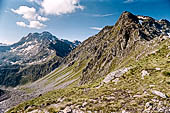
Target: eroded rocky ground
column 55, row 80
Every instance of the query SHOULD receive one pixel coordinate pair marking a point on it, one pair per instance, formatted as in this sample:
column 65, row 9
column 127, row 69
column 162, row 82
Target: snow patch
column 141, row 21
column 29, row 48
column 37, row 62
column 17, row 62
column 142, row 17
column 168, row 34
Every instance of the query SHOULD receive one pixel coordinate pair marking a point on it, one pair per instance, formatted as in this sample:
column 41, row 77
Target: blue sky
column 70, row 19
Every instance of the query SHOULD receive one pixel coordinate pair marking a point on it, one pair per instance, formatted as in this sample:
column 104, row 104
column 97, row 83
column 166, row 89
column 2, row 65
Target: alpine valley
column 124, row 68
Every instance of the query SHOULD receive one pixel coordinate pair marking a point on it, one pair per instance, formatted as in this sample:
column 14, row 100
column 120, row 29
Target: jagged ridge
column 117, row 44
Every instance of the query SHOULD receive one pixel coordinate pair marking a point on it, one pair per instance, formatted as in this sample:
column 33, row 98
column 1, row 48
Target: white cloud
column 96, row 28
column 32, row 24
column 46, row 7
column 22, row 24
column 26, row 12
column 32, row 0
column 43, row 19
column 128, row 1
column 29, row 13
column 36, row 25
column 36, row 1
column 32, row 16
column 59, row 7
column 102, row 15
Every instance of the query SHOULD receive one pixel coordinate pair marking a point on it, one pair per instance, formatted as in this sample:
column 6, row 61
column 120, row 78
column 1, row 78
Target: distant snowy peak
column 36, row 48
column 2, row 44
column 73, row 44
column 44, row 36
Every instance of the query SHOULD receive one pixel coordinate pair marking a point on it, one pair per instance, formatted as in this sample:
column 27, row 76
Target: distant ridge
column 34, row 56
column 2, row 44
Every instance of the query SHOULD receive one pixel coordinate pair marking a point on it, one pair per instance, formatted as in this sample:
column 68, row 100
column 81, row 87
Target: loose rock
column 160, row 94
column 144, row 73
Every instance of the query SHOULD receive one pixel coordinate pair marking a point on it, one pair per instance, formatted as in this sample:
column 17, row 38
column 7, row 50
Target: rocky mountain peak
column 127, row 17
column 46, row 33
column 42, row 52
column 113, row 44
column 44, row 36
column 127, row 14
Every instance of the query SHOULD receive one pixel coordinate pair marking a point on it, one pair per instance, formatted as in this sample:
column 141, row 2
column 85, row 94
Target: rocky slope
column 124, row 68
column 1, row 92
column 115, row 45
column 34, row 56
column 141, row 86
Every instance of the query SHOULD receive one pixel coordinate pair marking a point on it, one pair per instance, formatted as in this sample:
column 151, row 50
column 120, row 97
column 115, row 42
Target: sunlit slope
column 131, row 92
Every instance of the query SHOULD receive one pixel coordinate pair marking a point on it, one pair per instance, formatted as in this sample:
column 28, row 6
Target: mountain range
column 2, row 44
column 35, row 54
column 122, row 69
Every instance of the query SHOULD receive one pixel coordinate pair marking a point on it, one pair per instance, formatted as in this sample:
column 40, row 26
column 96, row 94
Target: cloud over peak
column 26, row 12
column 59, row 7
column 31, row 15
column 22, row 24
column 96, row 28
column 36, row 24
column 46, row 7
column 32, row 24
column 103, row 15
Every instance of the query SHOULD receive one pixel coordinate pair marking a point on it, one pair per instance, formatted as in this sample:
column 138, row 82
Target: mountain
column 73, row 44
column 117, row 45
column 3, row 47
column 2, row 44
column 34, row 56
column 124, row 68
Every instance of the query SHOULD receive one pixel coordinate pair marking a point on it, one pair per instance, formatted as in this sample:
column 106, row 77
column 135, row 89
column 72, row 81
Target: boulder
column 160, row 94
column 144, row 73
column 67, row 110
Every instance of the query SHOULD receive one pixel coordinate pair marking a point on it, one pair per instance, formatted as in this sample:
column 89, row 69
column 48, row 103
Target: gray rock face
column 144, row 73
column 67, row 110
column 1, row 92
column 115, row 74
column 160, row 94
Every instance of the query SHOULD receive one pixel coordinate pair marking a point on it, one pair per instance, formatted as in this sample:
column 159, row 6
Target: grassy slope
column 130, row 93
